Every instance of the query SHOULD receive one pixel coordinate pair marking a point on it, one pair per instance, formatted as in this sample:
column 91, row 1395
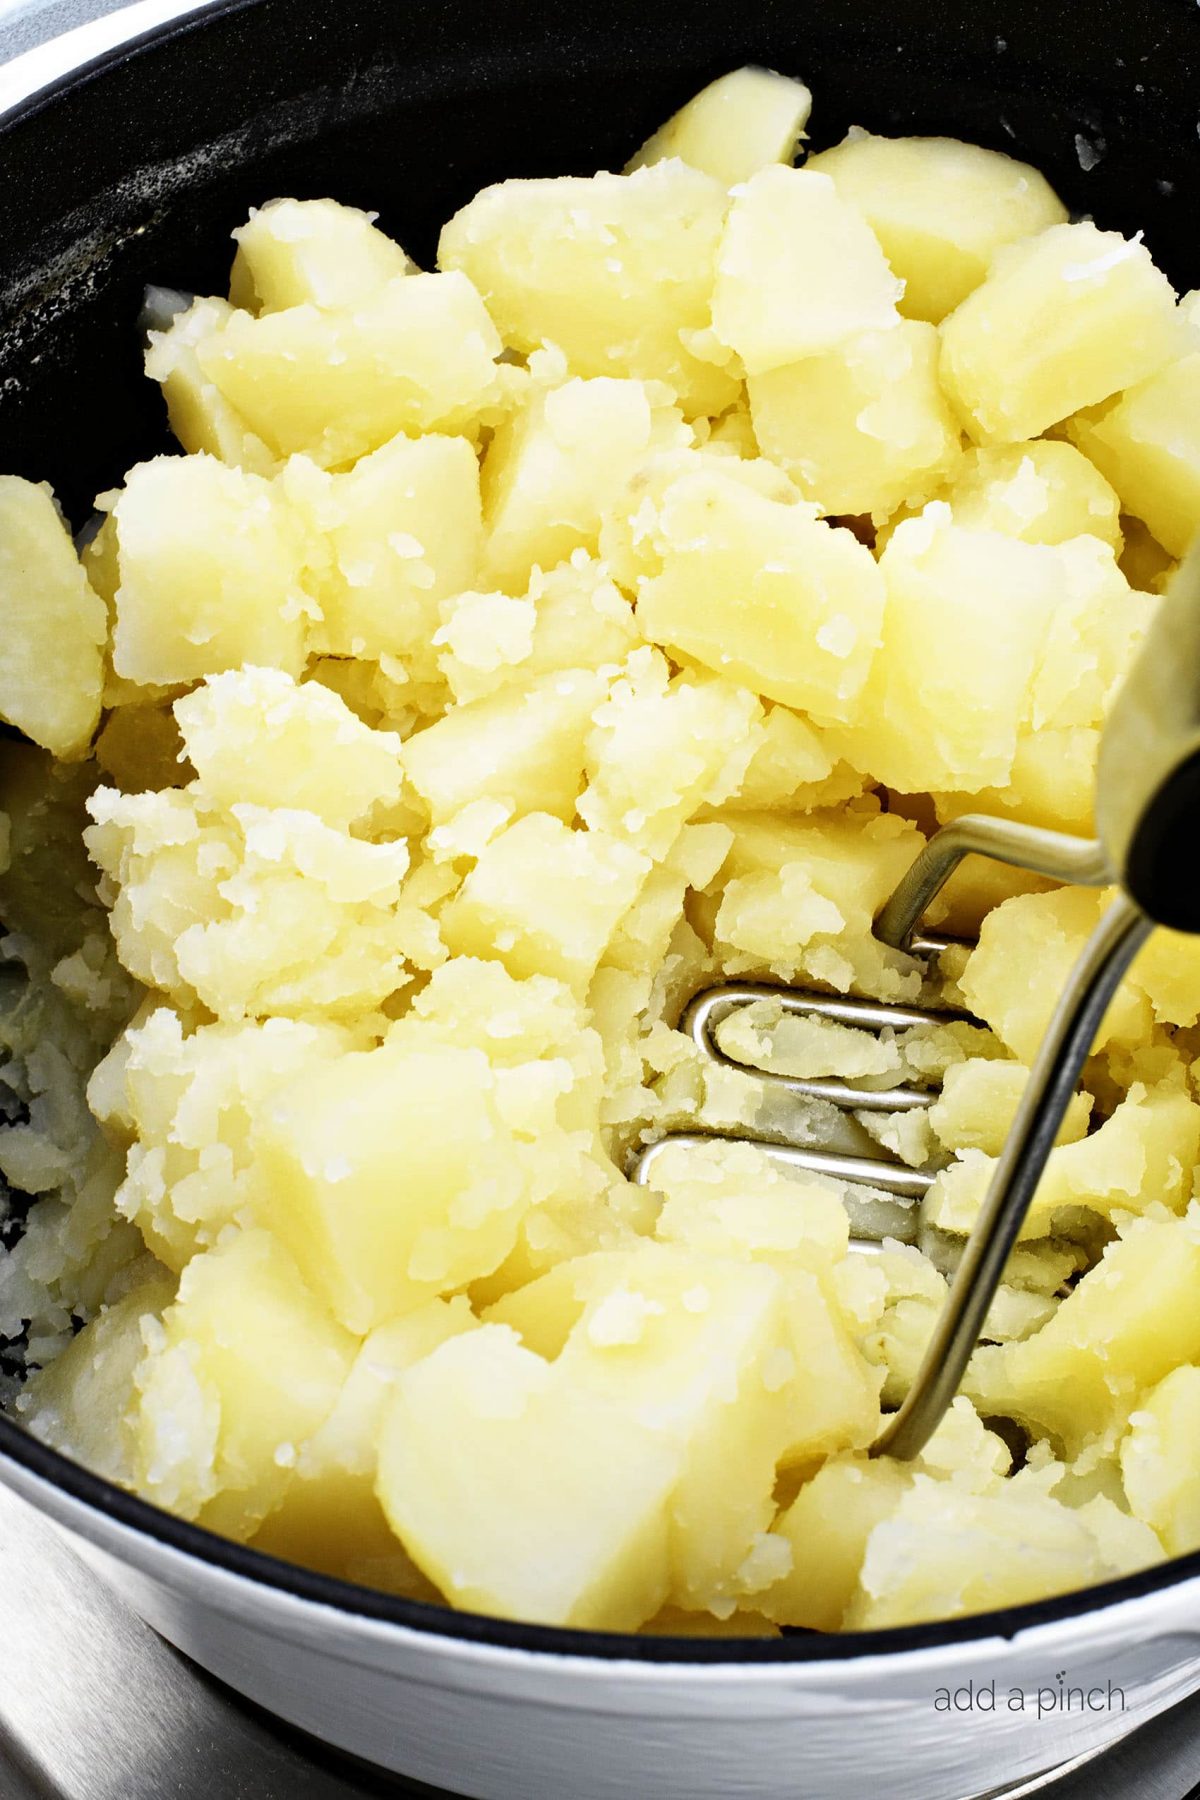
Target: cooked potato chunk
column 381, row 1199
column 330, row 1517
column 798, row 272
column 863, row 428
column 1044, row 492
column 953, row 720
column 416, row 355
column 403, row 531
column 616, row 270
column 211, row 573
column 946, row 1553
column 200, row 415
column 764, row 593
column 188, row 1099
column 544, row 899
column 1159, row 1460
column 54, row 626
column 736, row 125
column 554, row 468
column 1129, row 1322
column 1147, row 442
column 576, row 1529
column 262, row 911
column 253, row 735
column 940, row 209
column 1062, row 321
column 244, row 1367
column 522, row 746
column 311, row 252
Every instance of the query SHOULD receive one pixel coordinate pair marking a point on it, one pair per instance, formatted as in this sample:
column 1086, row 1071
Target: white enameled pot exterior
column 504, row 1724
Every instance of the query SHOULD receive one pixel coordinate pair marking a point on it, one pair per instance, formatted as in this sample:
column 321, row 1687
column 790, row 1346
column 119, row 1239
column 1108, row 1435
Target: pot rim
column 29, row 84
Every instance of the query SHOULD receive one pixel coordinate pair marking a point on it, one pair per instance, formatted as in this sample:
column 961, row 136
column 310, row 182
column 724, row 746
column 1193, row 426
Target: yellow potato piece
column 384, row 1205
column 1159, row 1463
column 416, row 355
column 311, row 252
column 1062, row 321
column 940, row 209
column 864, row 427
column 245, row 1366
column 798, row 272
column 1147, row 443
column 734, row 126
column 764, row 593
column 616, row 270
column 576, row 1529
column 200, row 415
column 54, row 626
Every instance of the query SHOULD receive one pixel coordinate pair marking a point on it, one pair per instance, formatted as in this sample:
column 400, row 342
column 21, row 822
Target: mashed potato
column 512, row 650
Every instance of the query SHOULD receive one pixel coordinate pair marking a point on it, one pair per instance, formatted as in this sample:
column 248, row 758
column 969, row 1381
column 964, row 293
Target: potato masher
column 1147, row 817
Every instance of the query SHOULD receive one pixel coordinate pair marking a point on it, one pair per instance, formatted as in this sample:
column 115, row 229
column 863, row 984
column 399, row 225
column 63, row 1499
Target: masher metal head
column 1148, row 820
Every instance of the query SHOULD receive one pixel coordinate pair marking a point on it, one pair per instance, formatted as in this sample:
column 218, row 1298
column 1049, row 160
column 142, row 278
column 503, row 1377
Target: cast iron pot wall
column 136, row 170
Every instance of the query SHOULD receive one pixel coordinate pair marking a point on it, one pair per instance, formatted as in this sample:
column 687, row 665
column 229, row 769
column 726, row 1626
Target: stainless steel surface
column 870, row 1171
column 94, row 1706
column 1055, row 853
column 703, row 1017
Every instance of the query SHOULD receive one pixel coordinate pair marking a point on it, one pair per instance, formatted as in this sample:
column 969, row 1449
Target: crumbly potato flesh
column 513, row 650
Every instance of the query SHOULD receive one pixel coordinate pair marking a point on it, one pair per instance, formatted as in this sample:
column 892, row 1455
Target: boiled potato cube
column 1027, row 948
column 827, row 1528
column 200, row 415
column 189, row 1101
column 659, row 748
column 575, row 1529
column 572, row 617
column 554, row 468
column 330, row 1518
column 863, row 427
column 630, row 537
column 416, row 355
column 254, row 736
column 391, row 1175
column 211, row 573
column 523, row 746
column 1043, row 491
column 55, row 627
column 765, row 594
column 941, row 209
column 311, row 252
column 734, row 126
column 793, row 768
column 244, row 1368
column 616, row 270
column 800, row 896
column 82, row 1403
column 266, row 911
column 951, row 719
column 978, row 1100
column 1160, row 1460
column 1061, row 322
column 944, row 1554
column 1130, row 1321
column 1147, row 442
column 1143, row 1153
column 696, row 1349
column 544, row 900
column 730, row 1200
column 403, row 529
column 798, row 272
